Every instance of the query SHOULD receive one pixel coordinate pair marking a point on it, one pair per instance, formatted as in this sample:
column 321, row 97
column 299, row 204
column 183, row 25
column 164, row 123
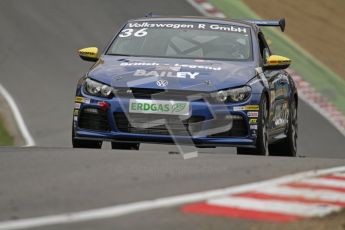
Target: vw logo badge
column 162, row 83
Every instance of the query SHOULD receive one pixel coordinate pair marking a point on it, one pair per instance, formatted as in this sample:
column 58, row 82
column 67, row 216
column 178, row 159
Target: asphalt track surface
column 40, row 68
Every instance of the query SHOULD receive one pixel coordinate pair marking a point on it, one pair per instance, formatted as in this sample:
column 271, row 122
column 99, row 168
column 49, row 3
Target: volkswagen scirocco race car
column 210, row 82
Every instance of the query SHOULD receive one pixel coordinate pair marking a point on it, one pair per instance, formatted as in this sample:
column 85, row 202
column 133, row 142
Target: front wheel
column 288, row 146
column 125, row 146
column 262, row 136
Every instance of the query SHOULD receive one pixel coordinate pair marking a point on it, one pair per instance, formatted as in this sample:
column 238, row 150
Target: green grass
column 317, row 74
column 5, row 138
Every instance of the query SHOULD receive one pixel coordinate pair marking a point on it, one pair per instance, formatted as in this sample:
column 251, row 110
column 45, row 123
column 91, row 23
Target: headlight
column 233, row 95
column 95, row 88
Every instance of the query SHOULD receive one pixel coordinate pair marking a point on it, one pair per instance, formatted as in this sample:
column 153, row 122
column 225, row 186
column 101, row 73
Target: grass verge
column 323, row 79
column 5, row 138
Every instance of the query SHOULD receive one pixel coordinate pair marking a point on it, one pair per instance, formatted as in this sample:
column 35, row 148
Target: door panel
column 279, row 89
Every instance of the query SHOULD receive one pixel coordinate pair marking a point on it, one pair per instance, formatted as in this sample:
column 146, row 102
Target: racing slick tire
column 125, row 146
column 87, row 144
column 262, row 136
column 287, row 146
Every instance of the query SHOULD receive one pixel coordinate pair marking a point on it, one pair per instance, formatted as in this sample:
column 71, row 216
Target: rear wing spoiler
column 280, row 22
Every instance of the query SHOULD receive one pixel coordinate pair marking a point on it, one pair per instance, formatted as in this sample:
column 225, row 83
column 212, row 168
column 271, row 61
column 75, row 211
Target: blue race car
column 210, row 82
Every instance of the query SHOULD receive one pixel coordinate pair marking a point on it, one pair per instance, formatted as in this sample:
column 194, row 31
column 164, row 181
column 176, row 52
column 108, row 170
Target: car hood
column 180, row 74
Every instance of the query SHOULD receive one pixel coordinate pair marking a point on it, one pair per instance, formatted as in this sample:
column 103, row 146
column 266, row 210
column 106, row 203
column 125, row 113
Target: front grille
column 158, row 93
column 94, row 119
column 238, row 129
column 152, row 124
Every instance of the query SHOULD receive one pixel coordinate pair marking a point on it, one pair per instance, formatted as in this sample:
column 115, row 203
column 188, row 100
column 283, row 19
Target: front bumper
column 111, row 129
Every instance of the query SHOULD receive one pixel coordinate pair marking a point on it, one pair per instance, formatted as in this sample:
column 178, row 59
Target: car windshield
column 183, row 40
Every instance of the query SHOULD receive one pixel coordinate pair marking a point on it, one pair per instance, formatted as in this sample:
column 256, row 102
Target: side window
column 264, row 49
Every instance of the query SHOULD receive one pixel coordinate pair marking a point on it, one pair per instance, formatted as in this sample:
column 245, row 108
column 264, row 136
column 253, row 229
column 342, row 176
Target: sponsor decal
column 162, row 83
column 79, row 99
column 253, row 132
column 253, row 127
column 76, row 112
column 171, row 67
column 205, row 67
column 280, row 122
column 161, row 25
column 253, row 121
column 239, row 108
column 139, row 64
column 168, row 68
column 253, row 114
column 82, row 100
column 228, row 28
column 252, row 107
column 77, row 105
column 86, row 53
column 281, row 116
column 246, row 107
column 129, row 31
column 159, row 107
column 178, row 107
column 157, row 73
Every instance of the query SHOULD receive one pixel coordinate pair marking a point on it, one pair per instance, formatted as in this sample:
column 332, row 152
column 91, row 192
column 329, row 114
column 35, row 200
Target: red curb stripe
column 315, row 187
column 214, row 210
column 334, row 177
column 263, row 196
column 310, row 93
column 212, row 11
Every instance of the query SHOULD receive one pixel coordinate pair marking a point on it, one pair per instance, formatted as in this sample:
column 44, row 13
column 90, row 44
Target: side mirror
column 275, row 62
column 89, row 54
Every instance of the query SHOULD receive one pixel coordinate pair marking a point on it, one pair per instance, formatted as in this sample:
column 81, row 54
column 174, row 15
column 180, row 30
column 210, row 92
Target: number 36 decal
column 129, row 32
